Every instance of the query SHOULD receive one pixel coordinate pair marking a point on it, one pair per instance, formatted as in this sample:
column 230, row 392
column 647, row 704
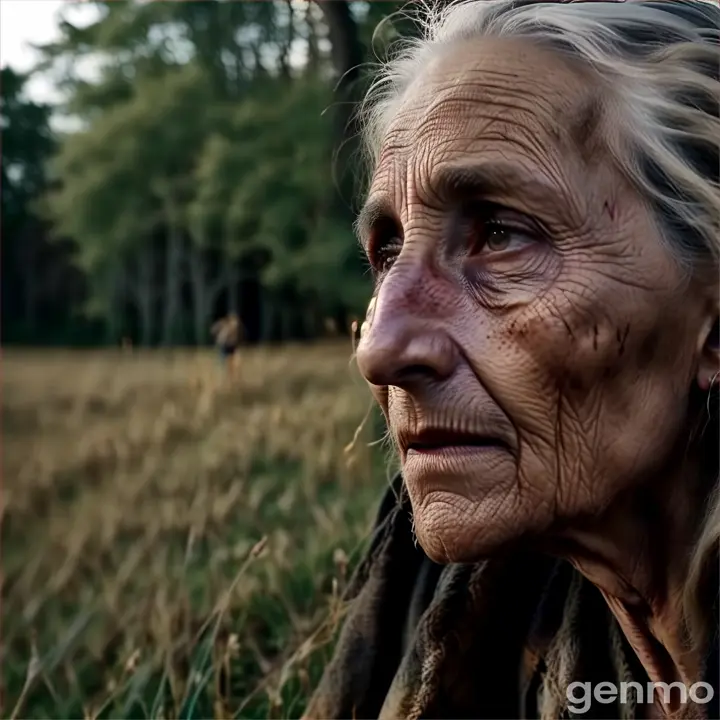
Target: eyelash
column 385, row 254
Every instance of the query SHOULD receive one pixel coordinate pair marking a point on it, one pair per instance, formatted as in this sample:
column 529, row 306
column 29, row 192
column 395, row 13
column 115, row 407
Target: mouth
column 438, row 441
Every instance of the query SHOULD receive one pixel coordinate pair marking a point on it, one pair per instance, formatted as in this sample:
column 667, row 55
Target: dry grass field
column 174, row 545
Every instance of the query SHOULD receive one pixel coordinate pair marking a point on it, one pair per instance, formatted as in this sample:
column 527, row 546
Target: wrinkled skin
column 553, row 322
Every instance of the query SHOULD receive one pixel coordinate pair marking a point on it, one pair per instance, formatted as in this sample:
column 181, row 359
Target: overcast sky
column 27, row 22
column 23, row 22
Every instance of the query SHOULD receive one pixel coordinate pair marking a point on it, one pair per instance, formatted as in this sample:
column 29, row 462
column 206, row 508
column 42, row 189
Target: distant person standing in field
column 227, row 333
column 331, row 328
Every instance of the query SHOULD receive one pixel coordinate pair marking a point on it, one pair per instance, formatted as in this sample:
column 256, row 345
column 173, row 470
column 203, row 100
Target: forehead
column 493, row 99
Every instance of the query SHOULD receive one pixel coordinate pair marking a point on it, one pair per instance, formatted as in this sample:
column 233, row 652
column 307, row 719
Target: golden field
column 174, row 544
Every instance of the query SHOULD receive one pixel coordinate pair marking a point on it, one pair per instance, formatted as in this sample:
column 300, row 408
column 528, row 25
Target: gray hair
column 658, row 64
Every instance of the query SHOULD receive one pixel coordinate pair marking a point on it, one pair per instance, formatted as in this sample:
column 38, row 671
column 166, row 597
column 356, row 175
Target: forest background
column 212, row 165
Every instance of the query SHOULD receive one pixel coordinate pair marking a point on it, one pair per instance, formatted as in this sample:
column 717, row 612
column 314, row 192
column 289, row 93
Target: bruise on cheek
column 622, row 336
column 573, row 381
column 648, row 350
column 611, row 371
column 583, row 378
column 574, row 360
column 609, row 208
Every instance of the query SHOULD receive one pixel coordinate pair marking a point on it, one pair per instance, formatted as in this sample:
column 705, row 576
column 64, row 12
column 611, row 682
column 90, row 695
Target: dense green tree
column 215, row 167
column 35, row 272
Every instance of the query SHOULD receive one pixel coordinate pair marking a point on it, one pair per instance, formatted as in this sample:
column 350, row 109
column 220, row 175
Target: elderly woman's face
column 531, row 343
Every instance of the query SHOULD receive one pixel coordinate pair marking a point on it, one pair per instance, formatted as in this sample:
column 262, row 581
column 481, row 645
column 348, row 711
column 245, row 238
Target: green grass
column 174, row 545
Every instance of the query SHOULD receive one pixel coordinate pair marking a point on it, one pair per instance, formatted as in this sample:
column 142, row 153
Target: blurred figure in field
column 331, row 328
column 227, row 333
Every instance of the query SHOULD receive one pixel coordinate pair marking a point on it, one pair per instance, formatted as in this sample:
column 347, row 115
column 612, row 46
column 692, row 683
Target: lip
column 438, row 441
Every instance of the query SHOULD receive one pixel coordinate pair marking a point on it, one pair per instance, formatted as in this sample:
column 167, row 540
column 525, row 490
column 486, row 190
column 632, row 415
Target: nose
column 404, row 339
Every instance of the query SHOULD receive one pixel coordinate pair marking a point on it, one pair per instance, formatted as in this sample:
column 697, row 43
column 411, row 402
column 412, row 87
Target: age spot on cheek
column 532, row 324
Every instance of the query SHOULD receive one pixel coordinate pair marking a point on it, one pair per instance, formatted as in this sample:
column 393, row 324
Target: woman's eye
column 494, row 236
column 498, row 238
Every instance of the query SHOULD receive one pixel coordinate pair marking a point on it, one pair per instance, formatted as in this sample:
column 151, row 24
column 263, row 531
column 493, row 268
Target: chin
column 467, row 505
column 447, row 536
column 460, row 519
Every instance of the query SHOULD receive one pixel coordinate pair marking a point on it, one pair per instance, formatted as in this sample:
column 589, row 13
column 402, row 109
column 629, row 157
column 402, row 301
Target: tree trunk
column 267, row 318
column 200, row 293
column 347, row 58
column 284, row 58
column 233, row 277
column 30, row 295
column 115, row 307
column 29, row 279
column 204, row 293
column 312, row 39
column 286, row 322
column 310, row 325
column 347, row 52
column 146, row 296
column 173, row 274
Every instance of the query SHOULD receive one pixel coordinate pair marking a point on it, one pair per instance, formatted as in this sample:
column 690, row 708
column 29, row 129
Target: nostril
column 409, row 375
column 414, row 370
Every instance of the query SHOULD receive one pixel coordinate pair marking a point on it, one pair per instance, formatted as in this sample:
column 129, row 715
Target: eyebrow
column 453, row 181
column 457, row 181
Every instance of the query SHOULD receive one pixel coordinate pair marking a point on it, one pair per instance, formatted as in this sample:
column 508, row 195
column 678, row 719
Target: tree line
column 215, row 168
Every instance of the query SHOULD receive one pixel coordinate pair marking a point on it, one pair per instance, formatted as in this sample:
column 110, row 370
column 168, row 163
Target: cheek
column 603, row 343
column 602, row 388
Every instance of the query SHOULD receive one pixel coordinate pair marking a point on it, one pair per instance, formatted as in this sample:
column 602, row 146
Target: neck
column 638, row 553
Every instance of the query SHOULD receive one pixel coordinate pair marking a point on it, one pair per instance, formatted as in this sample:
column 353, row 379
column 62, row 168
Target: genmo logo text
column 581, row 694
